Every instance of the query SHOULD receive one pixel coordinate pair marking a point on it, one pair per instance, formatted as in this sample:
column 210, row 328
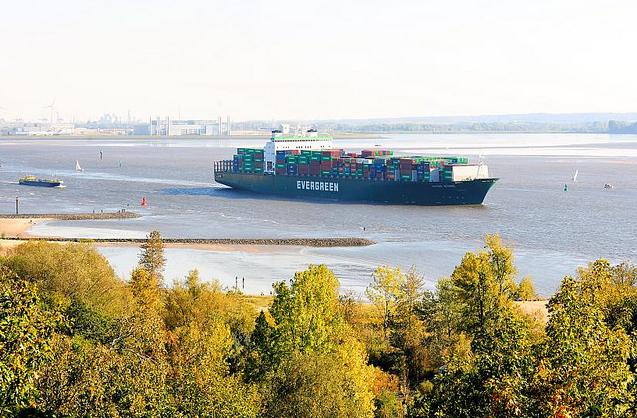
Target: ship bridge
column 283, row 140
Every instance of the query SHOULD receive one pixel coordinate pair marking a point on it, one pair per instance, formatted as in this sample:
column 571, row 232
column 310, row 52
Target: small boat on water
column 77, row 166
column 35, row 181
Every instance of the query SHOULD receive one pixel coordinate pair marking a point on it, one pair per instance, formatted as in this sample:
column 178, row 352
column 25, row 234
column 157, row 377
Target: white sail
column 77, row 166
column 575, row 176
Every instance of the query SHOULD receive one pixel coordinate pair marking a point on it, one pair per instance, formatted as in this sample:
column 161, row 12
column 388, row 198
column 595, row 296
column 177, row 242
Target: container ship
column 34, row 181
column 305, row 165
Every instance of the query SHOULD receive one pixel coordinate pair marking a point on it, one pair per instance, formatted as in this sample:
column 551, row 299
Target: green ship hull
column 341, row 189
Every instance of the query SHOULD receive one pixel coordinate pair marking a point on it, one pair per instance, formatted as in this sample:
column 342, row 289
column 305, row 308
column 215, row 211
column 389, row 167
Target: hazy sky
column 295, row 59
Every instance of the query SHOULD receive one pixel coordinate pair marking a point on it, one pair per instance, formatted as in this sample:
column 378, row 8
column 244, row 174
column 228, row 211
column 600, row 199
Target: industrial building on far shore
column 174, row 127
column 111, row 125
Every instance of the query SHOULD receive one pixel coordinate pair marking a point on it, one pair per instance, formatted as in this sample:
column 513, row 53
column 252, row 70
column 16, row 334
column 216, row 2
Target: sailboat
column 575, row 176
column 77, row 166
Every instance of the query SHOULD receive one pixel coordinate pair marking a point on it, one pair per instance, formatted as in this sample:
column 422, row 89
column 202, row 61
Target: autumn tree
column 383, row 293
column 525, row 290
column 70, row 274
column 152, row 257
column 82, row 378
column 142, row 376
column 200, row 346
column 167, row 356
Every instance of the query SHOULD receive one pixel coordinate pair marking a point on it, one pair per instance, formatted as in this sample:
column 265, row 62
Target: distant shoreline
column 337, row 136
column 341, row 135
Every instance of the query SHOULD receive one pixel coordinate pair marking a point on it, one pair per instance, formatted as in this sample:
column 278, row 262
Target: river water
column 553, row 232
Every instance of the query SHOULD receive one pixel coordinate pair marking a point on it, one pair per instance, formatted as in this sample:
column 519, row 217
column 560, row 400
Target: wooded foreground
column 76, row 340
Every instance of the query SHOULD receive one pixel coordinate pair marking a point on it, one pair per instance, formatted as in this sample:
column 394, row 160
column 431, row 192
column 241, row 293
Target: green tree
column 307, row 314
column 152, row 257
column 25, row 333
column 487, row 376
column 308, row 362
column 583, row 368
column 315, row 384
column 484, row 284
column 262, row 356
column 441, row 315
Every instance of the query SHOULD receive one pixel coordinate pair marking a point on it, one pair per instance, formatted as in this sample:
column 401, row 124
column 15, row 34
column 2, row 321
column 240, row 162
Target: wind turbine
column 51, row 107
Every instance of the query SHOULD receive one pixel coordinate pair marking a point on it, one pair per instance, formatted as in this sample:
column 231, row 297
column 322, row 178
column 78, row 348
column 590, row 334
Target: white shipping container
column 466, row 172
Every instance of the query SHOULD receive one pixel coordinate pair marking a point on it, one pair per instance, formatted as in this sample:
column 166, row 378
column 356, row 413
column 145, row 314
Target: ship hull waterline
column 357, row 190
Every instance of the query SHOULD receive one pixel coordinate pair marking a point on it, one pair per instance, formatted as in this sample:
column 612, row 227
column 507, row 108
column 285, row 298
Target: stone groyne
column 299, row 242
column 73, row 216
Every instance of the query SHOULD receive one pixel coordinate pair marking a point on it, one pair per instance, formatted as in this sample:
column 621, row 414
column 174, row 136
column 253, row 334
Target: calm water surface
column 552, row 231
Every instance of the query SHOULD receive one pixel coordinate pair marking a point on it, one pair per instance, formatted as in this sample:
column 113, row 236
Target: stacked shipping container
column 248, row 160
column 375, row 164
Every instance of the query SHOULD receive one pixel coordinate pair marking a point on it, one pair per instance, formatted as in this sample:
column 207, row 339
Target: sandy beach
column 18, row 227
column 15, row 228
